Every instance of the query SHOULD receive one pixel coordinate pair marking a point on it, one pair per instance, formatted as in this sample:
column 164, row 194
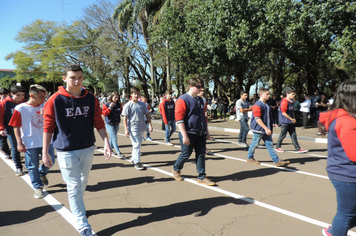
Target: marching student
column 166, row 109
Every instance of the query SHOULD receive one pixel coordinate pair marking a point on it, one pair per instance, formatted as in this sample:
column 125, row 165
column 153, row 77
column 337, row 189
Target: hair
column 134, row 90
column 112, row 95
column 4, row 91
column 143, row 96
column 71, row 67
column 15, row 89
column 194, row 81
column 36, row 88
column 289, row 91
column 345, row 97
column 262, row 90
column 243, row 92
column 169, row 92
column 306, row 96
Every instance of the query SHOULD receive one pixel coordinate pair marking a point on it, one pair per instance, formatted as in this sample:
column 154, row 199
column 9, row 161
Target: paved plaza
column 248, row 200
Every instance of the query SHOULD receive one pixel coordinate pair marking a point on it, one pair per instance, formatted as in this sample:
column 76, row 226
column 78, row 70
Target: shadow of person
column 198, row 208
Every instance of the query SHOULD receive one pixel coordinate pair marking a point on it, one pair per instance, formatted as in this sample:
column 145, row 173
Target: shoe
column 86, row 232
column 279, row 150
column 38, row 193
column 253, row 161
column 139, row 166
column 302, row 151
column 242, row 144
column 143, row 139
column 44, row 180
column 169, row 144
column 120, row 155
column 320, row 134
column 207, row 152
column 281, row 163
column 19, row 172
column 149, row 139
column 7, row 156
column 176, row 175
column 325, row 232
column 206, row 181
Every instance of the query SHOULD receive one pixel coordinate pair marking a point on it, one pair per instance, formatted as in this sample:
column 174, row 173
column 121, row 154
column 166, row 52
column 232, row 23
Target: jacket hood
column 327, row 117
column 62, row 90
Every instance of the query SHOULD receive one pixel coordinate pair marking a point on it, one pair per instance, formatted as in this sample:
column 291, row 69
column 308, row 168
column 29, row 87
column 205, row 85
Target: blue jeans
column 75, row 167
column 14, row 153
column 4, row 146
column 169, row 132
column 198, row 143
column 256, row 138
column 136, row 140
column 346, row 208
column 113, row 129
column 148, row 130
column 32, row 156
column 243, row 130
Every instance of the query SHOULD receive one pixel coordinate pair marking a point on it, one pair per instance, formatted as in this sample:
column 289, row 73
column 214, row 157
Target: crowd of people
column 36, row 127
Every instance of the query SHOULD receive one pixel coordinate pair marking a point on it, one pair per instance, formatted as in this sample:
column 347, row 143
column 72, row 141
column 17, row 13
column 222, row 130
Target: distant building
column 7, row 72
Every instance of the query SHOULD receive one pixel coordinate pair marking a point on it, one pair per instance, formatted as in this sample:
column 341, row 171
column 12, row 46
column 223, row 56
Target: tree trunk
column 153, row 87
column 169, row 85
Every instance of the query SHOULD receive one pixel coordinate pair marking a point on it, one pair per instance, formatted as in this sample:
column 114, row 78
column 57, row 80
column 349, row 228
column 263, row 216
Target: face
column 169, row 96
column 39, row 98
column 18, row 97
column 135, row 96
column 144, row 99
column 291, row 96
column 244, row 96
column 265, row 96
column 195, row 90
column 115, row 98
column 74, row 79
column 202, row 92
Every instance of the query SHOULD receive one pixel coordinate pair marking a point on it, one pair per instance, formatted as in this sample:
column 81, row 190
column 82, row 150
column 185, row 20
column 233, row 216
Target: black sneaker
column 139, row 166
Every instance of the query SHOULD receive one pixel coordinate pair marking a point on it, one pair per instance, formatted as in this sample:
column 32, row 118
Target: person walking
column 166, row 109
column 242, row 108
column 340, row 122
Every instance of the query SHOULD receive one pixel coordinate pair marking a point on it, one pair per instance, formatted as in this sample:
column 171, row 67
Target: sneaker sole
column 254, row 163
column 279, row 151
column 207, row 184
column 38, row 197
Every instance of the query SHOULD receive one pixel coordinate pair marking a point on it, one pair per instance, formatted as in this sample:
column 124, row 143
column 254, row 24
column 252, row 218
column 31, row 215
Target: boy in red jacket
column 166, row 109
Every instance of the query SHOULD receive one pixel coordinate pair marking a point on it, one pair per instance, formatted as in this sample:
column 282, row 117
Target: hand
column 47, row 159
column 127, row 133
column 150, row 128
column 112, row 104
column 268, row 131
column 186, row 140
column 21, row 147
column 2, row 133
column 107, row 151
column 293, row 121
column 208, row 137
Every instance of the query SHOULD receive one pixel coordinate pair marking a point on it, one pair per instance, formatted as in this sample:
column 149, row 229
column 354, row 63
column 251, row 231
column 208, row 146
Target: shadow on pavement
column 18, row 217
column 199, row 207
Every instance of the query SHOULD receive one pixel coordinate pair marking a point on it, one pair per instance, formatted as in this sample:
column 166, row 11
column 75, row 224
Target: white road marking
column 53, row 202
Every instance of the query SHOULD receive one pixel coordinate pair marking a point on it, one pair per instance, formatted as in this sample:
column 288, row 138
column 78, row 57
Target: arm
column 257, row 114
column 162, row 111
column 20, row 146
column 180, row 110
column 284, row 108
column 148, row 117
column 107, row 110
column 2, row 113
column 46, row 158
column 107, row 148
column 127, row 133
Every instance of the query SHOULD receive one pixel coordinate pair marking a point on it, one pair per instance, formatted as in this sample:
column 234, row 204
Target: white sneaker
column 38, row 193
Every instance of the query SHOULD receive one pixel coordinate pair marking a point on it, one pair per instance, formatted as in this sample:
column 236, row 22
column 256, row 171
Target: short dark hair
column 134, row 90
column 289, row 91
column 36, row 88
column 262, row 90
column 4, row 91
column 169, row 92
column 243, row 92
column 15, row 89
column 194, row 81
column 71, row 67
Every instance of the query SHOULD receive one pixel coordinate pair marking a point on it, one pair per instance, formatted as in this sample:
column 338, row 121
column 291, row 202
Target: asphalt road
column 120, row 200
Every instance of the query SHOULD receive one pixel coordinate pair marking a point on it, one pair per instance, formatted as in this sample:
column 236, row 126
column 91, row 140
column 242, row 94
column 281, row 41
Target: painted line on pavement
column 52, row 201
column 243, row 198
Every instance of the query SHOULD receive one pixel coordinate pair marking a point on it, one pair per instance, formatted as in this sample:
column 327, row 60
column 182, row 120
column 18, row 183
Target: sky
column 15, row 14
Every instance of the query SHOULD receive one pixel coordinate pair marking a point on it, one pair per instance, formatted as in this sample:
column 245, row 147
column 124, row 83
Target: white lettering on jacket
column 78, row 111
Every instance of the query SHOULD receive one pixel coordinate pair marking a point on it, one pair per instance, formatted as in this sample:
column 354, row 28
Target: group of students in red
column 36, row 129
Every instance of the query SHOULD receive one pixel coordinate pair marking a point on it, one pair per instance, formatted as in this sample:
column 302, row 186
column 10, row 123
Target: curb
column 315, row 140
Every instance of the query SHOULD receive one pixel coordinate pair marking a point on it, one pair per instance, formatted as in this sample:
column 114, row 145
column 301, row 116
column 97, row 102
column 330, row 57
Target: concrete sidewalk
column 309, row 134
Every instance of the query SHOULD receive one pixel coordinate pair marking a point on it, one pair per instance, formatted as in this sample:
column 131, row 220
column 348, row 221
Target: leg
column 244, row 130
column 293, row 136
column 4, row 145
column 75, row 167
column 136, row 140
column 346, row 207
column 167, row 132
column 256, row 138
column 199, row 147
column 282, row 135
column 14, row 153
column 186, row 152
column 148, row 130
column 113, row 129
column 241, row 131
column 269, row 145
column 305, row 119
column 32, row 162
column 173, row 128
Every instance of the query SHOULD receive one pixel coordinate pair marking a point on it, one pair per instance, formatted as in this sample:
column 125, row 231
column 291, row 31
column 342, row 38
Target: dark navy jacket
column 112, row 115
column 166, row 109
column 6, row 111
column 190, row 110
column 286, row 107
column 72, row 119
column 264, row 112
column 341, row 162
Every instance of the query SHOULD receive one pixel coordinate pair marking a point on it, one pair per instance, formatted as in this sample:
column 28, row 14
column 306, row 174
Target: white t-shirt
column 241, row 104
column 135, row 111
column 30, row 119
column 305, row 106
